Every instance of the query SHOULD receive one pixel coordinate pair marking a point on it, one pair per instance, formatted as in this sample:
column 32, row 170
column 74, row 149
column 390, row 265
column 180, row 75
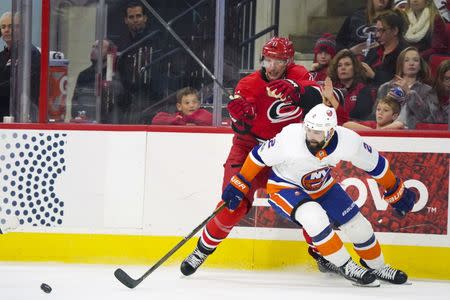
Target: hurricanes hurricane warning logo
column 280, row 111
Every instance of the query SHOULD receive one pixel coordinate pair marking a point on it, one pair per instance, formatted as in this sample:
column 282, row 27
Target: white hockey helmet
column 321, row 118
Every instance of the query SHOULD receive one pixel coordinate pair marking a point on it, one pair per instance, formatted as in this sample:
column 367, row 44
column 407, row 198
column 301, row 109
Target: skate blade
column 374, row 284
column 390, row 283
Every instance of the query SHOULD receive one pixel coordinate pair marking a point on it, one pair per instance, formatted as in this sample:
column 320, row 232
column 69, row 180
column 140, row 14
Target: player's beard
column 314, row 146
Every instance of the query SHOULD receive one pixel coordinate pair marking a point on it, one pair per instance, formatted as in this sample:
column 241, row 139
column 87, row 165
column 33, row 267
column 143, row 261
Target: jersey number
column 367, row 147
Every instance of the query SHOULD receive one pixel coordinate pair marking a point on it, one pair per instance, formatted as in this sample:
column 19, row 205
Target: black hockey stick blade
column 126, row 280
column 123, row 277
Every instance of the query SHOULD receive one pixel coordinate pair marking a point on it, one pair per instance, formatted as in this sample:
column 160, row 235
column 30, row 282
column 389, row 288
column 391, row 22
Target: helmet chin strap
column 328, row 139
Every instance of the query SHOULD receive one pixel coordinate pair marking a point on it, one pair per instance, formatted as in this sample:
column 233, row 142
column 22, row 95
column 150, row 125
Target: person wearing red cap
column 324, row 51
column 264, row 102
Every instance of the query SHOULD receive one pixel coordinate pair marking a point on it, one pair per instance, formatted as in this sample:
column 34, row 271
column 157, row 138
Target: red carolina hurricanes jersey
column 272, row 114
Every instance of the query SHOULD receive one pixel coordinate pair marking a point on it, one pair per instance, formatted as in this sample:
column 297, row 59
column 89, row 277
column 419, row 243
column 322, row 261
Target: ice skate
column 359, row 275
column 323, row 264
column 388, row 274
column 194, row 260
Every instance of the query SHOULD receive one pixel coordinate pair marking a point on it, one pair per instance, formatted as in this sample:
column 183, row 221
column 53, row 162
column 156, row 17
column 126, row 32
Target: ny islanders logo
column 313, row 181
column 280, row 111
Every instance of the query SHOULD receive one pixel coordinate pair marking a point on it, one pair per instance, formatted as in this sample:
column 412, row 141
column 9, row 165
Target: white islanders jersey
column 294, row 166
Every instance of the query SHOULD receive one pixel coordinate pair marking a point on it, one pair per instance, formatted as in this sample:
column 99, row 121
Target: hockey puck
column 46, row 288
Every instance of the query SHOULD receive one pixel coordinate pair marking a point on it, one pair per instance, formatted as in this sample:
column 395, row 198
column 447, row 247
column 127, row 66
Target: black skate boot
column 195, row 259
column 322, row 263
column 361, row 276
column 387, row 273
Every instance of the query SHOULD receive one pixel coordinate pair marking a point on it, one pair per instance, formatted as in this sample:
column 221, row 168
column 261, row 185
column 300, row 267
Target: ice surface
column 82, row 282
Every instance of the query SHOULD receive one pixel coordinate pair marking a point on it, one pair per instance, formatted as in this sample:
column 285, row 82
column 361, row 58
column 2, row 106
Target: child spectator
column 189, row 111
column 324, row 51
column 442, row 88
column 387, row 111
column 420, row 103
column 347, row 74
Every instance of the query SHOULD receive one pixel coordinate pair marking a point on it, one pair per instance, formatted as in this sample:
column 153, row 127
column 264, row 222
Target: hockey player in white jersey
column 302, row 188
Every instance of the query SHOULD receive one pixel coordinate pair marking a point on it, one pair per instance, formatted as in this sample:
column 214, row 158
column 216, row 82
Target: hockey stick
column 126, row 280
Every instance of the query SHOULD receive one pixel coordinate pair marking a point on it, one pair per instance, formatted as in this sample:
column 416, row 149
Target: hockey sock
column 360, row 232
column 316, row 223
column 221, row 225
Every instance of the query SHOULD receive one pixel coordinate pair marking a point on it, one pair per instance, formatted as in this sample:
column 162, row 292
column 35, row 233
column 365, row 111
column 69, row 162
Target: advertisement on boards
column 423, row 172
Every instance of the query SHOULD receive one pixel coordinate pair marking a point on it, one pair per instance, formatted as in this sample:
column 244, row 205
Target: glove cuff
column 394, row 194
column 294, row 84
column 298, row 90
column 241, row 127
column 240, row 183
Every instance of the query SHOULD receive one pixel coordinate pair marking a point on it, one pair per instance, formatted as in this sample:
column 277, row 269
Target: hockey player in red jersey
column 278, row 94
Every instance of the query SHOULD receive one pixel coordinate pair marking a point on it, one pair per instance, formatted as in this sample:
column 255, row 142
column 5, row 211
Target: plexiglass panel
column 151, row 50
column 20, row 60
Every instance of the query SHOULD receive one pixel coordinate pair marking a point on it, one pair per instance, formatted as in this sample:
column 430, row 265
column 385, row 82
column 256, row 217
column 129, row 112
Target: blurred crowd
column 389, row 59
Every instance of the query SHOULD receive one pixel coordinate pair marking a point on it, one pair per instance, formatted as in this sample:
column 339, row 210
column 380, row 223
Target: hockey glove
column 400, row 198
column 242, row 114
column 240, row 109
column 235, row 191
column 286, row 89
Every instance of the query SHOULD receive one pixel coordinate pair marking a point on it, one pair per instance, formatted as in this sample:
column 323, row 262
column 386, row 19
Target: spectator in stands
column 386, row 112
column 380, row 62
column 5, row 68
column 354, row 32
column 324, row 51
column 420, row 16
column 136, row 20
column 443, row 7
column 137, row 50
column 442, row 88
column 347, row 73
column 5, row 63
column 440, row 38
column 84, row 100
column 419, row 100
column 189, row 111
